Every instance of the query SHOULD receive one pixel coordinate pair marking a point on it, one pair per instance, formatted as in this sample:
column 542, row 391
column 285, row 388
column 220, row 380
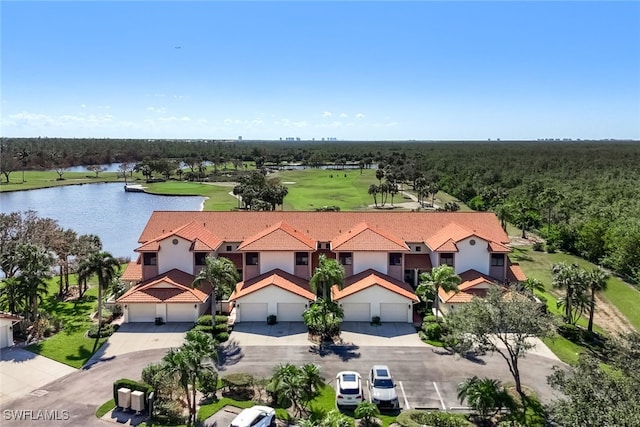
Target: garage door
column 357, row 312
column 4, row 336
column 142, row 312
column 290, row 312
column 394, row 312
column 180, row 313
column 253, row 312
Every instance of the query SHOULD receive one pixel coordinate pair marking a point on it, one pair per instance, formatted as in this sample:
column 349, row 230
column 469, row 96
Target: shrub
column 414, row 418
column 208, row 383
column 168, row 413
column 207, row 329
column 205, row 320
column 221, row 318
column 375, row 320
column 222, row 327
column 131, row 385
column 222, row 337
column 429, row 318
column 551, row 248
column 433, row 331
column 538, row 246
column 106, row 331
column 272, row 319
column 570, row 332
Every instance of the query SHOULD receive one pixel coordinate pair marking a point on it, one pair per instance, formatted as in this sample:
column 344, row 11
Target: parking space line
column 444, row 408
column 404, row 395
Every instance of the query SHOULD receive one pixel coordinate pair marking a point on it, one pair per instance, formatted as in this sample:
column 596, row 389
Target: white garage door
column 180, row 313
column 357, row 312
column 253, row 312
column 397, row 312
column 290, row 312
column 4, row 336
column 142, row 312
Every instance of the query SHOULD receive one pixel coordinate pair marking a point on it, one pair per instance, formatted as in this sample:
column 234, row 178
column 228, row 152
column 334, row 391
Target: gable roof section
column 132, row 272
column 279, row 236
column 232, row 226
column 171, row 287
column 278, row 278
column 470, row 279
column 201, row 238
column 498, row 247
column 369, row 278
column 364, row 237
column 446, row 238
column 515, row 273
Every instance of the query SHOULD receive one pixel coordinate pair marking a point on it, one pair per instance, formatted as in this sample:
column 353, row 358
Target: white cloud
column 326, row 114
column 359, row 116
column 83, row 105
column 160, row 110
column 343, row 115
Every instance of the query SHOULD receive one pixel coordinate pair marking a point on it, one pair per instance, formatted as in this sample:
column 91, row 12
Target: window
column 346, row 258
column 395, row 258
column 327, row 246
column 150, row 258
column 302, row 258
column 229, row 248
column 446, row 259
column 497, row 260
column 252, row 258
column 418, row 248
column 200, row 258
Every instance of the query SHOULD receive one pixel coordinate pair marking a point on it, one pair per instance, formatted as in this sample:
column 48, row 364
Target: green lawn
column 218, row 198
column 43, row 179
column 538, row 266
column 69, row 346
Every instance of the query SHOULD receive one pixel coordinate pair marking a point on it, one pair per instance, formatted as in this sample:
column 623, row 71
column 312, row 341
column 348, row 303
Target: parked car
column 349, row 390
column 256, row 416
column 382, row 388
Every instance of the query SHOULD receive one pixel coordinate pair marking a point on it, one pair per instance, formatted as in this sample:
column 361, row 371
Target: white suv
column 348, row 389
column 382, row 389
column 256, row 416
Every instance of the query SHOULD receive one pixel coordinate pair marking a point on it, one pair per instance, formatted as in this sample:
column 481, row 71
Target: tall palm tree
column 221, row 274
column 106, row 268
column 23, row 157
column 35, row 268
column 568, row 277
column 323, row 317
column 312, row 381
column 596, row 280
column 328, row 273
column 442, row 276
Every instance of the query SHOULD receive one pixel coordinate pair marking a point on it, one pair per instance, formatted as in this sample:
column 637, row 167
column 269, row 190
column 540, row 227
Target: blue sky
column 348, row 70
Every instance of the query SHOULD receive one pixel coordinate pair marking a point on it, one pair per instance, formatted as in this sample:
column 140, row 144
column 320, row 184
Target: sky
column 350, row 70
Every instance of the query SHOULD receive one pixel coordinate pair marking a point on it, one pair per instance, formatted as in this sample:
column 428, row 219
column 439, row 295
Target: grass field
column 70, row 346
column 44, row 179
column 537, row 265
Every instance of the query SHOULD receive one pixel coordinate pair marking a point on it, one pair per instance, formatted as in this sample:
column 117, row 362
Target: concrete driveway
column 23, row 372
column 133, row 337
column 361, row 334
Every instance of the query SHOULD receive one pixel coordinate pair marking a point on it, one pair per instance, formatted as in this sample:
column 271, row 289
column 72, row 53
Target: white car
column 382, row 389
column 348, row 389
column 256, row 416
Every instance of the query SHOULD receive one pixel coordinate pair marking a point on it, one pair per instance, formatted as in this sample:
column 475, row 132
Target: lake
column 103, row 209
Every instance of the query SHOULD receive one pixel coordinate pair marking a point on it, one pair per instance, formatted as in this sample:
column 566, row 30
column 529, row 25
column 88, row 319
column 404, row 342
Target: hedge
column 131, row 385
column 414, row 418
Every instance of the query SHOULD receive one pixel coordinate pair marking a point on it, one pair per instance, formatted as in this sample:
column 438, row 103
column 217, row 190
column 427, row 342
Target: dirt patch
column 609, row 318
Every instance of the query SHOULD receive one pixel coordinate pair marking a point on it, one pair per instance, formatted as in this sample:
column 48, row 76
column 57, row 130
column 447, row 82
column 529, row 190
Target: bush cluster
column 106, row 331
column 216, row 325
column 415, row 418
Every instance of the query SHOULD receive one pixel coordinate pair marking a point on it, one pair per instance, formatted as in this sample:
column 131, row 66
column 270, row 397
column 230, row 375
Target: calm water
column 103, row 209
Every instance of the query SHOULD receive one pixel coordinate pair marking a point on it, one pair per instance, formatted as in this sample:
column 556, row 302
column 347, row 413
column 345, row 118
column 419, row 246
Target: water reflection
column 107, row 210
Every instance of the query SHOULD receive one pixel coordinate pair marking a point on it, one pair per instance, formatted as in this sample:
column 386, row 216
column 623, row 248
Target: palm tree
column 323, row 317
column 190, row 363
column 530, row 286
column 286, row 385
column 596, row 281
column 23, row 157
column 105, row 267
column 486, row 395
column 373, row 191
column 433, row 189
column 328, row 273
column 442, row 276
column 221, row 274
column 311, row 380
column 570, row 278
column 366, row 411
column 35, row 269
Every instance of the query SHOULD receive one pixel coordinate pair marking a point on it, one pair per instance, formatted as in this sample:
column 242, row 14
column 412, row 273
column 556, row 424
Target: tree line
column 582, row 197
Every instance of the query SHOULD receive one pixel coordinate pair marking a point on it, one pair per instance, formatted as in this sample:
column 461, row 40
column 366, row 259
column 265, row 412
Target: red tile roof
column 444, row 240
column 280, row 236
column 515, row 273
column 9, row 316
column 364, row 237
column 174, row 286
column 202, row 239
column 498, row 247
column 132, row 272
column 327, row 226
column 278, row 278
column 368, row 278
column 469, row 280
